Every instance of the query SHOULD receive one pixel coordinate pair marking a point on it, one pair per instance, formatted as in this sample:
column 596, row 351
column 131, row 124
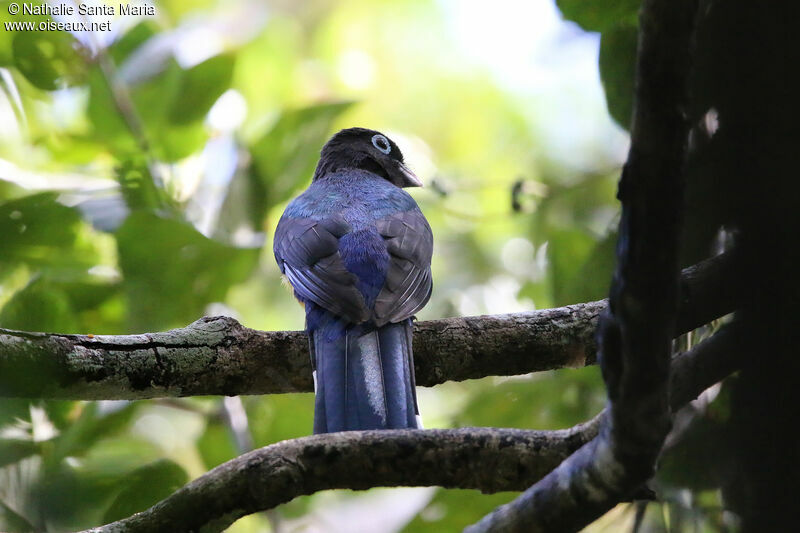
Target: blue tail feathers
column 364, row 377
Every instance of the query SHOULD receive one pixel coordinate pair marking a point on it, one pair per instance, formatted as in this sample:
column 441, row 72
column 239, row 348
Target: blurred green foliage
column 617, row 22
column 141, row 175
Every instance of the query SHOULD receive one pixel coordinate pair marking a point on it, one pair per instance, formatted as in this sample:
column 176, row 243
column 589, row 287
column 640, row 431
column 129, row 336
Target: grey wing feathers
column 307, row 252
column 408, row 284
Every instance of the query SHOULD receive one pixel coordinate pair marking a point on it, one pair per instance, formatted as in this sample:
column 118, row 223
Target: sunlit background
column 142, row 171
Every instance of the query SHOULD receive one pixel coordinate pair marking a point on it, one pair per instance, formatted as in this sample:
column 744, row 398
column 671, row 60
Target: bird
column 356, row 249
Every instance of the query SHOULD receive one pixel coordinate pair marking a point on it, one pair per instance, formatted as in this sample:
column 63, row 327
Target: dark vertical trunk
column 748, row 56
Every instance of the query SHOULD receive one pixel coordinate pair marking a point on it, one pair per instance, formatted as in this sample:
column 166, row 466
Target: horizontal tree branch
column 710, row 362
column 218, row 355
column 486, row 459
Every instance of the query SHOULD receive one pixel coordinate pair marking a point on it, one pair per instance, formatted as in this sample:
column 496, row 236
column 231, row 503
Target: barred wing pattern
column 307, row 252
column 408, row 285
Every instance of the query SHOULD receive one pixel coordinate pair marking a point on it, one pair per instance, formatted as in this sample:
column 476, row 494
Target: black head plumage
column 367, row 150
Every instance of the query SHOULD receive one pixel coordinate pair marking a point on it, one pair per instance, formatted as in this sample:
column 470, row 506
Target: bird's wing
column 409, row 241
column 307, row 252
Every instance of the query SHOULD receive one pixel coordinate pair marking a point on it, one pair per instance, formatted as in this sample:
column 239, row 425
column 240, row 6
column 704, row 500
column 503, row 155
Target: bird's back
column 357, row 251
column 358, row 196
column 361, row 205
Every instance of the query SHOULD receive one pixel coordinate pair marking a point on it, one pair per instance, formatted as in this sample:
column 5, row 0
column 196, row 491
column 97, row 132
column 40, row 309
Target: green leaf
column 36, row 220
column 86, row 295
column 567, row 250
column 7, row 34
column 12, row 450
column 216, row 444
column 107, row 124
column 42, row 233
column 152, row 102
column 453, row 510
column 244, row 207
column 618, row 71
column 13, row 409
column 540, row 292
column 72, row 149
column 171, row 104
column 138, row 187
column 586, row 201
column 174, row 142
column 71, row 496
column 6, row 37
column 84, row 305
column 50, row 60
column 39, row 307
column 286, row 156
column 144, row 487
column 91, row 426
column 149, row 100
column 280, row 417
column 10, row 520
column 555, row 400
column 60, row 412
column 200, row 87
column 152, row 97
column 618, row 23
column 599, row 15
column 135, row 37
column 9, row 190
column 171, row 271
column 593, row 279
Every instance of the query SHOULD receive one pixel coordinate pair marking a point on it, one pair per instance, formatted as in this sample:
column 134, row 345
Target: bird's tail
column 364, row 378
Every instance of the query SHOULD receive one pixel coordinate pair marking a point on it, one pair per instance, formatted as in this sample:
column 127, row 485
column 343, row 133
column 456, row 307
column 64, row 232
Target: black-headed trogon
column 357, row 251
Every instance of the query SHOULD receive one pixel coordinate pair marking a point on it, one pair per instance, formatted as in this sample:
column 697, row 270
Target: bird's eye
column 381, row 143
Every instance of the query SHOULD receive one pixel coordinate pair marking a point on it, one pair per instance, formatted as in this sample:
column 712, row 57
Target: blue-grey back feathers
column 351, row 233
column 357, row 251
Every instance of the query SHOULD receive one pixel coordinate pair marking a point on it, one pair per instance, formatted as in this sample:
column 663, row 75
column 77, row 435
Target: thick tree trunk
column 746, row 70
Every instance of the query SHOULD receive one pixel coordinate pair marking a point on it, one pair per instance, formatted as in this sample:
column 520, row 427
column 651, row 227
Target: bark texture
column 486, row 459
column 217, row 355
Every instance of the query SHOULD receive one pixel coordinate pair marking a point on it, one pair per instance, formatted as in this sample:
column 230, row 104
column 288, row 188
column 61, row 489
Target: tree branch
column 219, row 356
column 709, row 362
column 636, row 331
column 486, row 459
column 481, row 458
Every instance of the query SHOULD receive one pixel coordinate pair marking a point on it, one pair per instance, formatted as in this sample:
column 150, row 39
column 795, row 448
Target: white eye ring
column 381, row 143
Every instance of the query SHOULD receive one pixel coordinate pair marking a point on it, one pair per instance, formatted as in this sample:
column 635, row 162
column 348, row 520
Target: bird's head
column 368, row 150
